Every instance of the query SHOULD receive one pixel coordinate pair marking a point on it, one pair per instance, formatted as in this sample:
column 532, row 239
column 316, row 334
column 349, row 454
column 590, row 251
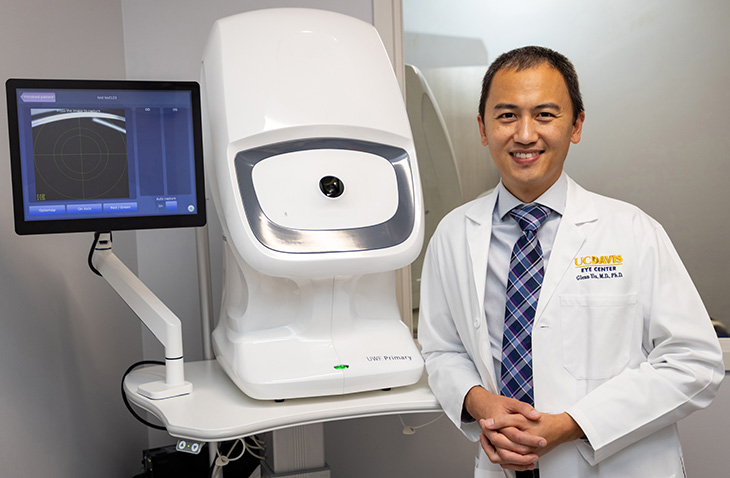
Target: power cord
column 257, row 445
column 91, row 252
column 410, row 430
column 222, row 460
column 124, row 393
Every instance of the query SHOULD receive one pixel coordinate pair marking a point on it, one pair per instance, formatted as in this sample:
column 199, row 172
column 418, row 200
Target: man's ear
column 578, row 128
column 482, row 130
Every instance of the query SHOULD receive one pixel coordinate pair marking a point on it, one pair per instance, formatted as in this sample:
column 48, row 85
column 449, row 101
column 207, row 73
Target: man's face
column 528, row 126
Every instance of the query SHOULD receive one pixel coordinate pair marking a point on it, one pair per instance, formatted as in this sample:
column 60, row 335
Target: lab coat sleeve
column 683, row 367
column 451, row 371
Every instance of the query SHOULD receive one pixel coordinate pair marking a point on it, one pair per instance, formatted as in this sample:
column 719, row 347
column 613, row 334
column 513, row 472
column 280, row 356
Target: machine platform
column 217, row 410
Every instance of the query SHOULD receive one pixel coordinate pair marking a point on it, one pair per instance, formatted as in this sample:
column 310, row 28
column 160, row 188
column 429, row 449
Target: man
column 543, row 293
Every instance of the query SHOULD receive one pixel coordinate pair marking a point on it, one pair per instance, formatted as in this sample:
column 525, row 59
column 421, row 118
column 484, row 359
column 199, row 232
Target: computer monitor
column 98, row 155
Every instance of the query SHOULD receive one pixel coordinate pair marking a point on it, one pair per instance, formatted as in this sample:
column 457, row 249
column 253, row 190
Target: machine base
column 279, row 364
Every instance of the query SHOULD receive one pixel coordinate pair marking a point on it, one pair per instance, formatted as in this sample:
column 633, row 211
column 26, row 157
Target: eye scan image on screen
column 98, row 155
column 79, row 155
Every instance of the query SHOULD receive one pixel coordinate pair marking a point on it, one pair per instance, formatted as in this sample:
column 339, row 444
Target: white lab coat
column 627, row 351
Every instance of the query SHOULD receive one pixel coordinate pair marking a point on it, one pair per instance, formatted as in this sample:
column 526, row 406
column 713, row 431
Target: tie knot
column 530, row 216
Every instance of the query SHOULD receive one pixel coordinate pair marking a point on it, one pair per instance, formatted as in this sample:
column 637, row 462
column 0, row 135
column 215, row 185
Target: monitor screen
column 96, row 155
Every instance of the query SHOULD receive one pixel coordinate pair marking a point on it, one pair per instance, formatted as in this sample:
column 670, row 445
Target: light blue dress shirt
column 505, row 232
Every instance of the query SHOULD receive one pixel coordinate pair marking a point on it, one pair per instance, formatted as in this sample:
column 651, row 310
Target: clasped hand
column 514, row 434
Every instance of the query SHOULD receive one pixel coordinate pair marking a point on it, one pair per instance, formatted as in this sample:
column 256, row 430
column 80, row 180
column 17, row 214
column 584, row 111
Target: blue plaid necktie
column 523, row 289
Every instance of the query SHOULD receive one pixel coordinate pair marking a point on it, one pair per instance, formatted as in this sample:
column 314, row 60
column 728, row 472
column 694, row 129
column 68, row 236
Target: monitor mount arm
column 161, row 321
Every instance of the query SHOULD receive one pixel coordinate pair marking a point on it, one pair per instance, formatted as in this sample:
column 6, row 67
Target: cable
column 243, row 450
column 91, row 253
column 124, row 393
column 410, row 430
column 256, row 446
column 222, row 460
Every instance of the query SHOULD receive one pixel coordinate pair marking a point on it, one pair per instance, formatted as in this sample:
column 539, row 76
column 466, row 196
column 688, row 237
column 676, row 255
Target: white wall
column 376, row 447
column 65, row 337
column 654, row 77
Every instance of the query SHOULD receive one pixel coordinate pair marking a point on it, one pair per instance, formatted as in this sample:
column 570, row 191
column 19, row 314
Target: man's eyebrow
column 542, row 106
column 505, row 106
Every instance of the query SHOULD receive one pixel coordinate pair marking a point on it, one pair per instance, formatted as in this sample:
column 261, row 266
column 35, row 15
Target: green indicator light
column 342, row 367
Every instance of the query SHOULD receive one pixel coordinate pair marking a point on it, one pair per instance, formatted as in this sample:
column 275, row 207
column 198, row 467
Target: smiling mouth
column 529, row 155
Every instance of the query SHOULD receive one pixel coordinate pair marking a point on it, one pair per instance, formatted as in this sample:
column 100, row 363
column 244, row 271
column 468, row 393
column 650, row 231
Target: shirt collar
column 554, row 198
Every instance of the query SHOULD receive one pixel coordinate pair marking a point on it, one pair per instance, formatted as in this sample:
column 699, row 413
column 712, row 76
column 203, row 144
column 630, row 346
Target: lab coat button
column 476, row 323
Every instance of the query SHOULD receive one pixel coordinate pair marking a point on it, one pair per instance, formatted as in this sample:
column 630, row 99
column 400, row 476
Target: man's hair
column 530, row 57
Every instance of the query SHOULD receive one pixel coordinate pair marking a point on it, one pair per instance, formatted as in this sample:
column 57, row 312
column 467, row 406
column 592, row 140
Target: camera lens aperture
column 331, row 186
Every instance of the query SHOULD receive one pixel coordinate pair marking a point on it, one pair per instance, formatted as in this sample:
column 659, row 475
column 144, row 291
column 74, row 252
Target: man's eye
column 507, row 116
column 545, row 114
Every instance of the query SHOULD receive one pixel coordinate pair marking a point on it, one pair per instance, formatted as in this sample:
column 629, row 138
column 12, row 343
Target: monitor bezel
column 51, row 226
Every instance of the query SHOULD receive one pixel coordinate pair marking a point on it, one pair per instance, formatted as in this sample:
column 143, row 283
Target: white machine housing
column 313, row 173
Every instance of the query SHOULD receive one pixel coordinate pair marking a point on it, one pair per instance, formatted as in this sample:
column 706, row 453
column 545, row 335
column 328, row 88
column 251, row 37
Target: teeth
column 523, row 155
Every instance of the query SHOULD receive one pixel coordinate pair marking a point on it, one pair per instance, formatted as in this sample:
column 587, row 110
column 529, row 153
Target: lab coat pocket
column 597, row 333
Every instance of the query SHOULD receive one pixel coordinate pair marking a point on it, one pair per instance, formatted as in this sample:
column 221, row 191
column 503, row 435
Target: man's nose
column 526, row 132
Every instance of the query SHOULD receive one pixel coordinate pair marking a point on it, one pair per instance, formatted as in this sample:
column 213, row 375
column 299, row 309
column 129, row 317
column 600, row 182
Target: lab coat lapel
column 579, row 209
column 478, row 236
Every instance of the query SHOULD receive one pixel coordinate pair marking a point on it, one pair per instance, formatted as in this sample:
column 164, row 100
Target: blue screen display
column 95, row 155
